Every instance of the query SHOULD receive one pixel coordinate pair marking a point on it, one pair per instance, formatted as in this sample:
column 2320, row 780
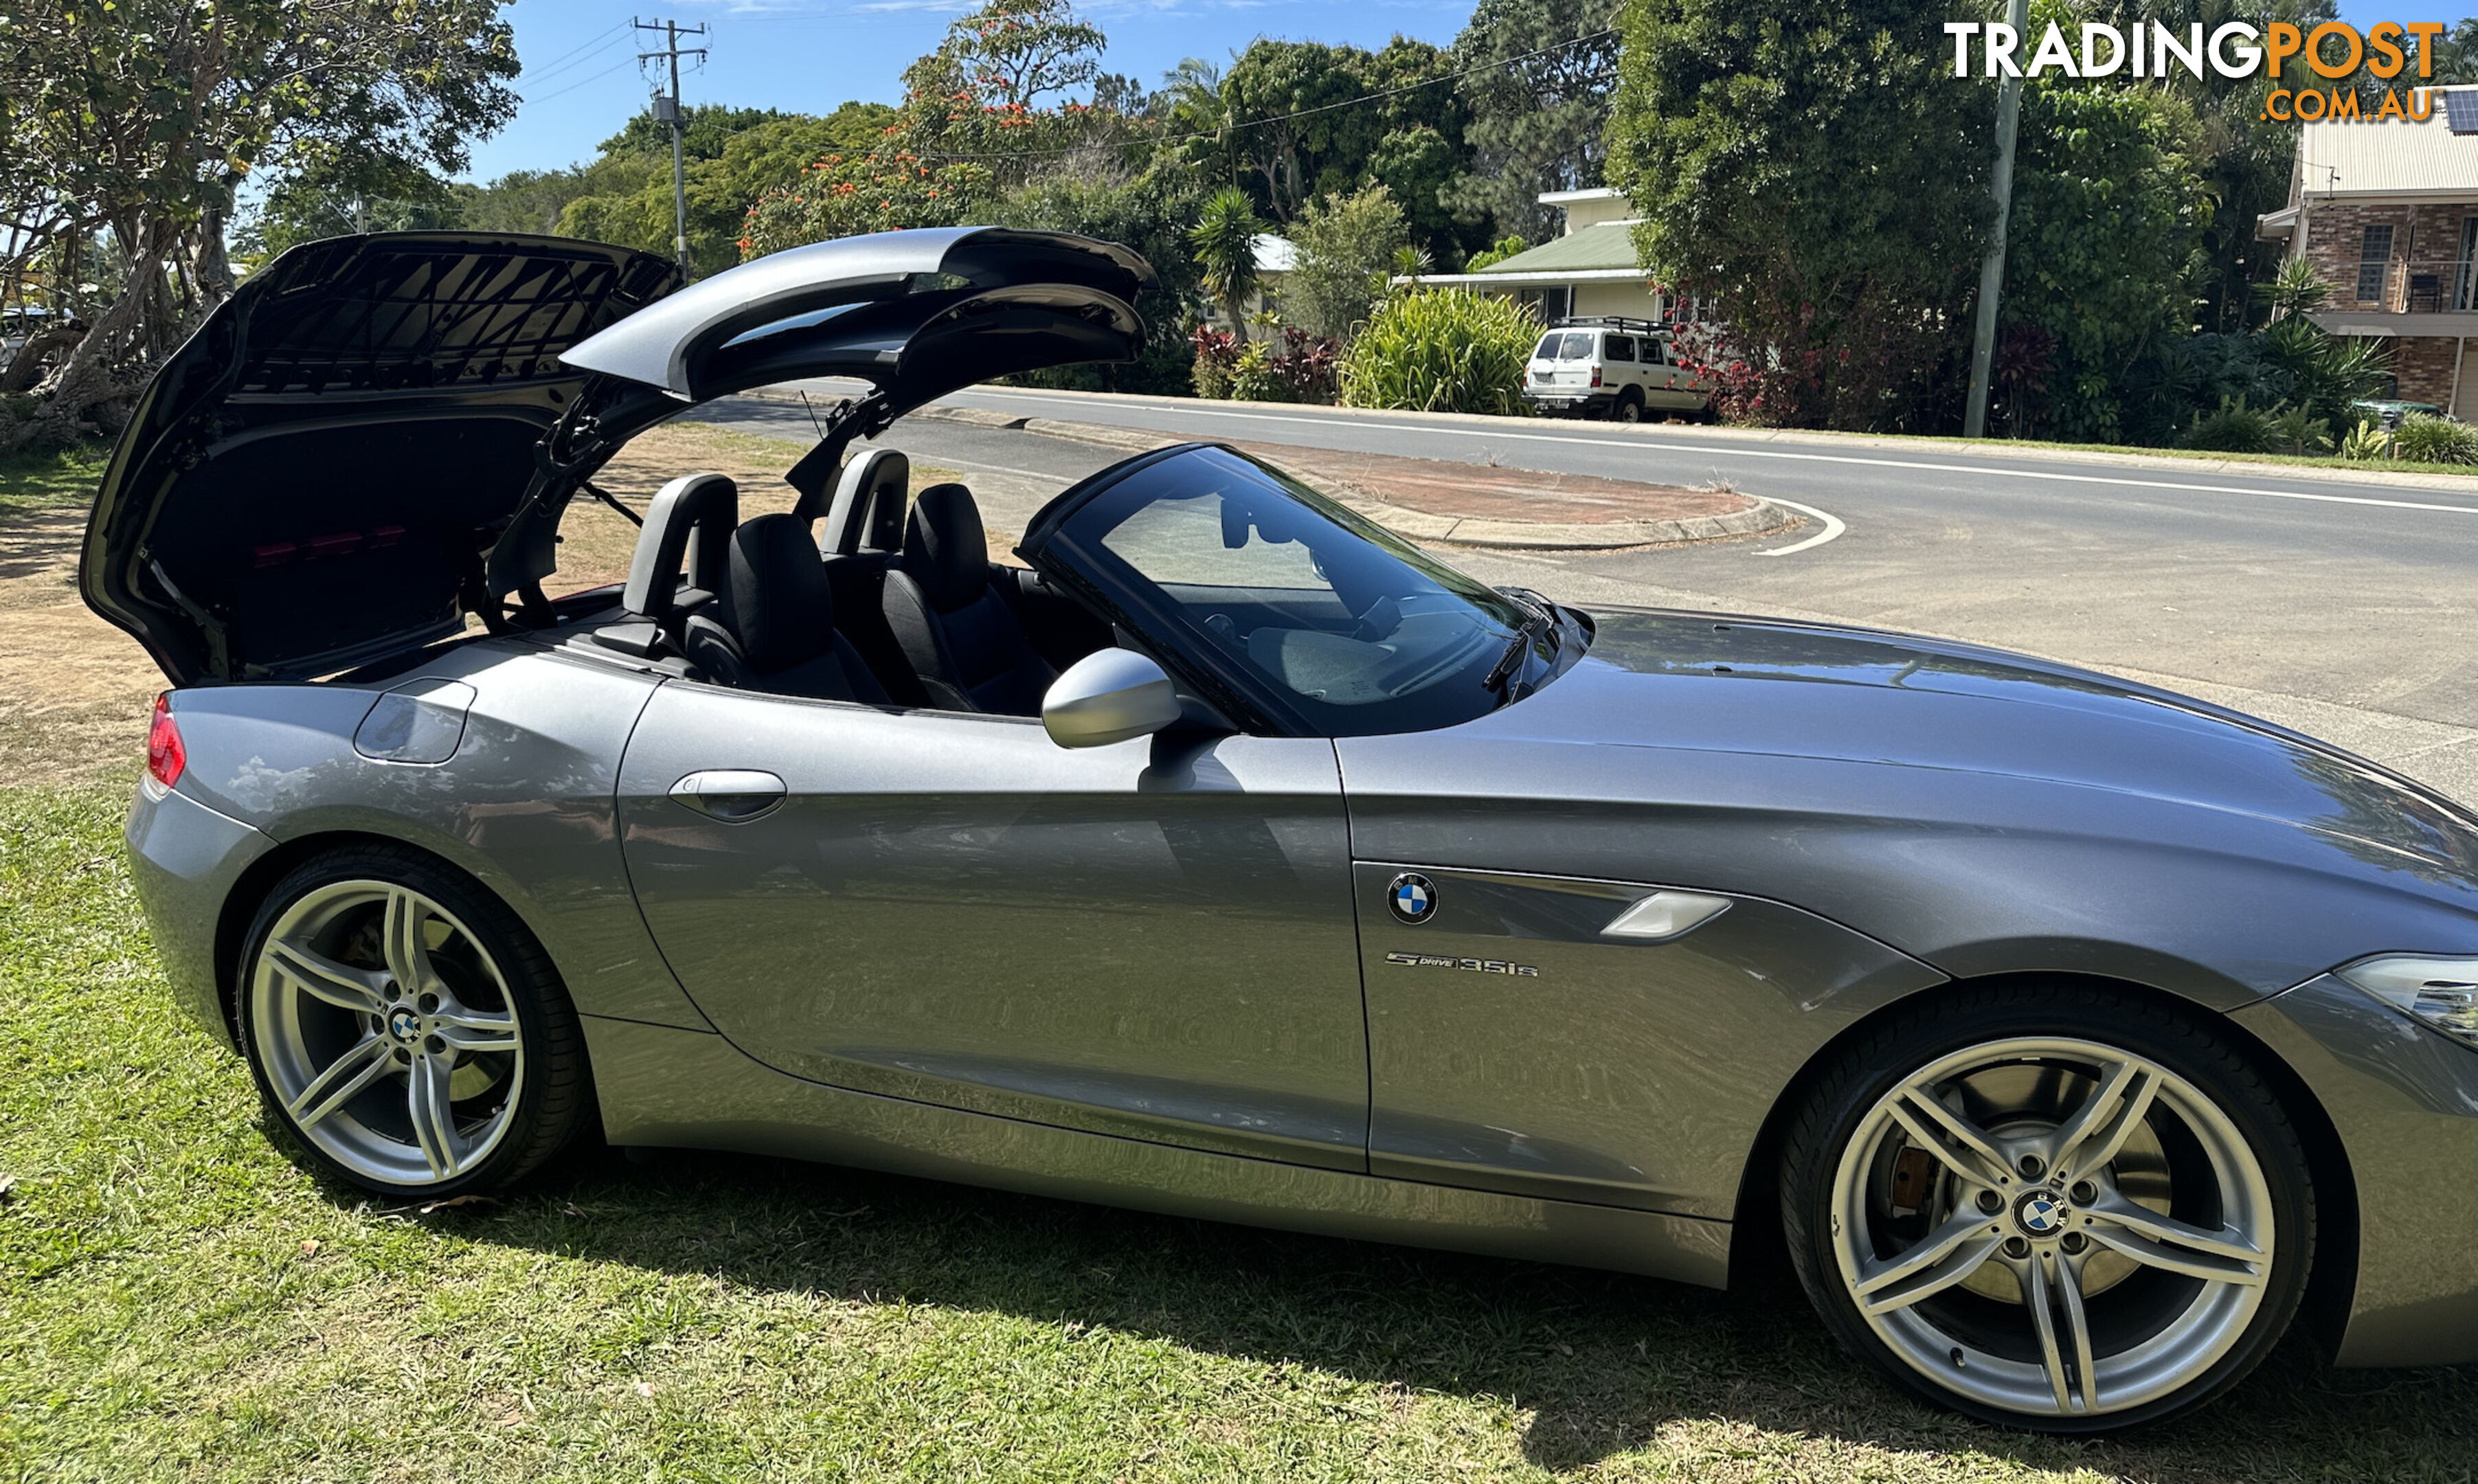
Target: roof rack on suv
column 1610, row 322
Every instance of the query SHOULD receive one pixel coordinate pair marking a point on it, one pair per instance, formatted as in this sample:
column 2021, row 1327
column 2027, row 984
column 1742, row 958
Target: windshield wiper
column 1534, row 625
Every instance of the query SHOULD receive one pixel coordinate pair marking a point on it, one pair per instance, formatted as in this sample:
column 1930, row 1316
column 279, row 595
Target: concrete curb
column 1847, row 442
column 1761, row 516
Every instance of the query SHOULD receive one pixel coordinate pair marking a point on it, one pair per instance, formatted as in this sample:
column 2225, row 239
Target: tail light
column 1596, row 376
column 165, row 756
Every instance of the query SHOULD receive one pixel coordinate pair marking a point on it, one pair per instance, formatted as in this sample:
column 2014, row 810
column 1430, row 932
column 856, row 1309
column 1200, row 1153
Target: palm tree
column 1224, row 239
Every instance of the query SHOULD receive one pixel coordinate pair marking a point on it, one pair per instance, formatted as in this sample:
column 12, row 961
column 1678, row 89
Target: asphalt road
column 2343, row 609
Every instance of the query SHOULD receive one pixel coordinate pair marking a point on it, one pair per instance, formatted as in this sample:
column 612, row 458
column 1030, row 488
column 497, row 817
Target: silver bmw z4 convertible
column 1233, row 856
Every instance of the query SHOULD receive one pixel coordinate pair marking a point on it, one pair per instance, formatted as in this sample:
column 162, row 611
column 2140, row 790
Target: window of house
column 2374, row 262
column 2465, row 282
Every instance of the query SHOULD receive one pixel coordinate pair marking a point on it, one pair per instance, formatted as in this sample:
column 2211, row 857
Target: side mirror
column 1107, row 697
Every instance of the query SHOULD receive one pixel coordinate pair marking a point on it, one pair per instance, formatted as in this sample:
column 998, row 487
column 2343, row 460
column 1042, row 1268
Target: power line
column 595, row 77
column 602, row 37
column 573, row 60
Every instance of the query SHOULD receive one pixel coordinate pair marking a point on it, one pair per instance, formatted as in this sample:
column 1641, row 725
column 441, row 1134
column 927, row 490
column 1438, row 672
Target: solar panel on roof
column 2460, row 110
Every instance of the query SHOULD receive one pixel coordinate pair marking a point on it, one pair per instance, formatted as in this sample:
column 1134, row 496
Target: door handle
column 731, row 795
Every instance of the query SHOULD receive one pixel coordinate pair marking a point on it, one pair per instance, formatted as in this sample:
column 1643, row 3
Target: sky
column 582, row 80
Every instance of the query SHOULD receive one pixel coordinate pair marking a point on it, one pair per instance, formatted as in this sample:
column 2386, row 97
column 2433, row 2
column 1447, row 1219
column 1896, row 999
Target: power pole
column 666, row 109
column 1992, row 269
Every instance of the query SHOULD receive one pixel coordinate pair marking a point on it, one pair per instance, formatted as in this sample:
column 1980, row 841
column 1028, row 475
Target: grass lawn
column 180, row 1300
column 29, row 480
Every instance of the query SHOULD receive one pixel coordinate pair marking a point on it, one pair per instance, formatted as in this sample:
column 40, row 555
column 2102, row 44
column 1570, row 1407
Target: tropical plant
column 2293, row 430
column 1347, row 246
column 1217, row 361
column 2234, row 428
column 1441, row 350
column 2368, row 441
column 2298, row 288
column 2423, row 439
column 1224, row 242
column 1293, row 366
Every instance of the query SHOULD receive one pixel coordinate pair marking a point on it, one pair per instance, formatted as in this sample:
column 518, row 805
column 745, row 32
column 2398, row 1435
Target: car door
column 1662, row 376
column 1149, row 940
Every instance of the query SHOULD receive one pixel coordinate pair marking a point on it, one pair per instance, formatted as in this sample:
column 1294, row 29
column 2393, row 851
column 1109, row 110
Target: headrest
column 702, row 506
column 869, row 503
column 943, row 549
column 777, row 600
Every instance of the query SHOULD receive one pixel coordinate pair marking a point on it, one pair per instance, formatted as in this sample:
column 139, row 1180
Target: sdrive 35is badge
column 1413, row 898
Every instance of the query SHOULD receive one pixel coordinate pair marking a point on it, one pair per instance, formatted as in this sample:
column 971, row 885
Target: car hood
column 314, row 477
column 376, row 436
column 1761, row 686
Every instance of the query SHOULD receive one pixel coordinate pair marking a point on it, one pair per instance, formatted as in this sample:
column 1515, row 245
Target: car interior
column 892, row 600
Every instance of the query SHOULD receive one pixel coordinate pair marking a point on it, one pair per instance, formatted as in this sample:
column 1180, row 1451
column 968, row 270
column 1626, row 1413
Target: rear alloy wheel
column 406, row 1028
column 2051, row 1217
column 1630, row 408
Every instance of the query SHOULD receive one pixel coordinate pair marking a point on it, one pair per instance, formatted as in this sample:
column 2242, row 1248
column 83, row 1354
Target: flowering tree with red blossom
column 976, row 121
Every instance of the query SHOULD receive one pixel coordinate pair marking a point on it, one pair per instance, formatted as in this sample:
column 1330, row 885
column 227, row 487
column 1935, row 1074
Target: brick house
column 2387, row 212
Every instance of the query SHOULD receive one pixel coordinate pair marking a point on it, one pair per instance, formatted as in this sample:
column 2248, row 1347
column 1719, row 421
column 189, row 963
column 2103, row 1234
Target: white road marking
column 1708, row 451
column 1833, row 527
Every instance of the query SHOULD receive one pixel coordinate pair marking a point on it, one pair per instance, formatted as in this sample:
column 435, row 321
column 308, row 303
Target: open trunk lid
column 317, row 477
column 378, row 435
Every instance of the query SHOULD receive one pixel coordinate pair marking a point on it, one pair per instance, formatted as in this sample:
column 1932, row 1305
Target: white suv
column 1621, row 367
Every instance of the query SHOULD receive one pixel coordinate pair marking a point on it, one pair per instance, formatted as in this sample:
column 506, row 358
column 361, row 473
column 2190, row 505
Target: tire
column 1630, row 408
column 2158, row 1262
column 460, row 1083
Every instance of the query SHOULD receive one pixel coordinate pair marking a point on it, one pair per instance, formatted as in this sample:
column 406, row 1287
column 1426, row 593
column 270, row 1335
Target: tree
column 372, row 196
column 1811, row 168
column 734, row 156
column 1018, row 52
column 141, row 117
column 971, row 129
column 2106, row 244
column 1153, row 212
column 1298, row 120
column 1345, row 247
column 1224, row 242
column 1537, row 123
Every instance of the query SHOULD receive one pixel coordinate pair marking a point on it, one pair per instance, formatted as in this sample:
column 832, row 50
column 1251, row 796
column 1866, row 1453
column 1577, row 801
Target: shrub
column 1346, row 246
column 1296, row 367
column 2235, row 428
column 2424, row 439
column 2293, row 431
column 1217, row 357
column 1443, row 350
column 2367, row 441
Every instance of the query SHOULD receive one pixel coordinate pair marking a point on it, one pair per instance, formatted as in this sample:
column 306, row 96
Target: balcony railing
column 2416, row 285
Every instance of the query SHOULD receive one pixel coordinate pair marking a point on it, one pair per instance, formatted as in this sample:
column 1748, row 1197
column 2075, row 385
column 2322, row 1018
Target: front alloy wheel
column 2068, row 1228
column 406, row 1029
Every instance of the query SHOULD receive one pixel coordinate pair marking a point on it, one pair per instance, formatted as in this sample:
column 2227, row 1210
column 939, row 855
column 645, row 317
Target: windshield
column 1320, row 618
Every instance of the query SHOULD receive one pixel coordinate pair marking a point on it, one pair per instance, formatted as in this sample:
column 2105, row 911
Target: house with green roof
column 1591, row 269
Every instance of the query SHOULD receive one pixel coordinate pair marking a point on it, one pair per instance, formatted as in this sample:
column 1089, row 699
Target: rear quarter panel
column 525, row 804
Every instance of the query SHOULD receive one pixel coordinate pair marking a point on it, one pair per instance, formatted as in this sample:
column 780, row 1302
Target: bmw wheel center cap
column 2041, row 1214
column 1412, row 898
